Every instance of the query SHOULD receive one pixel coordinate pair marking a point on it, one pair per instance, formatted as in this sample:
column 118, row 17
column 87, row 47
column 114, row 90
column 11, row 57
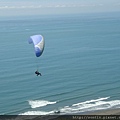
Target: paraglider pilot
column 39, row 43
column 38, row 73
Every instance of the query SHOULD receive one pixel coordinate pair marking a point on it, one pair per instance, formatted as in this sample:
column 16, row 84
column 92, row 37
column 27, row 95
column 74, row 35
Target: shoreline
column 104, row 112
column 67, row 116
column 115, row 111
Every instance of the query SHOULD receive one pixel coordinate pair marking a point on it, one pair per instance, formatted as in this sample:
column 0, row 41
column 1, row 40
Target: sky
column 39, row 7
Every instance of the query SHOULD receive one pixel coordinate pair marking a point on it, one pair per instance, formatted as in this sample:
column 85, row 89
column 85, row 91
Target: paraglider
column 38, row 73
column 39, row 43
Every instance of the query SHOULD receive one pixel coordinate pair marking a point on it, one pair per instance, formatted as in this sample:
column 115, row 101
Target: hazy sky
column 30, row 7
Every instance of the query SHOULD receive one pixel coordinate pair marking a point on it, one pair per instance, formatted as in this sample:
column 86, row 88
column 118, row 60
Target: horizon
column 49, row 7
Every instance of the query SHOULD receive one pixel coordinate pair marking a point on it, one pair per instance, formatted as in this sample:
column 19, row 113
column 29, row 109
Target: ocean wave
column 40, row 103
column 37, row 113
column 90, row 101
column 91, row 105
column 87, row 106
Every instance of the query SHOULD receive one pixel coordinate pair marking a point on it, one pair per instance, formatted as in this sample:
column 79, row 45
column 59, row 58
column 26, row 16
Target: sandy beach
column 105, row 112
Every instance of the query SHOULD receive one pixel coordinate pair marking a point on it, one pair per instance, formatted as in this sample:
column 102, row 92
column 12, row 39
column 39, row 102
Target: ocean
column 80, row 64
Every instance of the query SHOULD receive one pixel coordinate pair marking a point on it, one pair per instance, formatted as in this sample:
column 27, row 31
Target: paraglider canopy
column 39, row 44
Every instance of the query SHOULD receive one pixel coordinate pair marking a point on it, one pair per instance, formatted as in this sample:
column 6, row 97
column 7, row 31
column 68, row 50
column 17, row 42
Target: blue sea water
column 80, row 64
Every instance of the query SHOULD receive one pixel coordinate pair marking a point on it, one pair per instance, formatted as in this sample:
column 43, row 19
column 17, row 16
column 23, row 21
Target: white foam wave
column 37, row 113
column 100, row 99
column 98, row 104
column 39, row 103
column 90, row 105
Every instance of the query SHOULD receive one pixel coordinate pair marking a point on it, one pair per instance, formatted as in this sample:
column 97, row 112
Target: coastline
column 105, row 112
column 108, row 112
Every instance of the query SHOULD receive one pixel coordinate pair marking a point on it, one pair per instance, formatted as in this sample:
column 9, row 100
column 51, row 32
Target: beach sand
column 105, row 112
column 112, row 112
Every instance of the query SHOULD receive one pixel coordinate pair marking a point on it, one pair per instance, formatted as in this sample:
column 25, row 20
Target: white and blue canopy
column 39, row 44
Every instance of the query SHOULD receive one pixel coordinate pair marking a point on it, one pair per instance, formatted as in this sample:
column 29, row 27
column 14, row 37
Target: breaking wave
column 39, row 103
column 87, row 106
column 37, row 113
